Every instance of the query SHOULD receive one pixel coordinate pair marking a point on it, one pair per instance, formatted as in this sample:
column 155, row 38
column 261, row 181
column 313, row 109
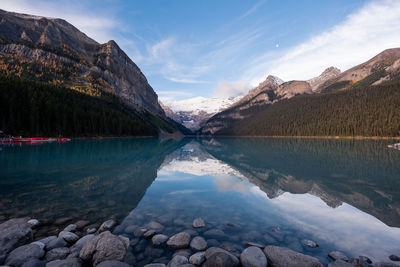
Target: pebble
column 70, row 228
column 107, row 225
column 149, row 234
column 253, row 257
column 68, row 236
column 337, row 255
column 197, row 258
column 199, row 223
column 178, row 241
column 198, row 243
column 159, row 239
column 178, row 261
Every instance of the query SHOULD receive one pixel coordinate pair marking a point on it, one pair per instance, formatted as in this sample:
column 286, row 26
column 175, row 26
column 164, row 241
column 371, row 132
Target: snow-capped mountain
column 192, row 112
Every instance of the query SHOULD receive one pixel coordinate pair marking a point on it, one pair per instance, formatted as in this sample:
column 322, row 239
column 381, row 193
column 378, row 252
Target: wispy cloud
column 228, row 89
column 252, row 9
column 363, row 34
column 177, row 80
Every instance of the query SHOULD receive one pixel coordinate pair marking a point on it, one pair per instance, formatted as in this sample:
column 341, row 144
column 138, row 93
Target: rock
column 69, row 262
column 177, row 261
column 157, row 240
column 46, row 240
column 385, row 264
column 57, row 254
column 56, row 243
column 214, row 233
column 154, row 226
column 113, row 264
column 394, row 257
column 70, row 228
column 107, row 226
column 337, row 255
column 309, row 243
column 253, row 257
column 253, row 244
column 33, row 223
column 279, row 257
column 76, row 248
column 182, row 252
column 217, row 257
column 22, row 254
column 13, row 233
column 34, row 263
column 178, row 241
column 68, row 236
column 140, row 232
column 155, row 265
column 81, row 224
column 40, row 244
column 130, row 229
column 198, row 244
column 197, row 258
column 199, row 223
column 230, row 248
column 149, row 234
column 104, row 246
column 91, row 230
column 340, row 263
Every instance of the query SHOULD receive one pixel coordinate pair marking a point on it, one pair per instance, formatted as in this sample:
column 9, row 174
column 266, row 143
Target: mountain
column 193, row 112
column 52, row 51
column 363, row 101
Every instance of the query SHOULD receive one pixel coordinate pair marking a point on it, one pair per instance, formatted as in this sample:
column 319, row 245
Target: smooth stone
column 46, row 240
column 254, row 244
column 182, row 252
column 34, row 263
column 130, row 229
column 140, row 232
column 155, row 265
column 385, row 264
column 22, row 254
column 215, row 233
column 104, row 246
column 68, row 236
column 76, row 248
column 230, row 248
column 107, row 226
column 154, row 226
column 197, row 258
column 337, row 255
column 69, row 262
column 178, row 241
column 198, row 243
column 81, row 224
column 177, row 261
column 199, row 223
column 56, row 243
column 149, row 234
column 394, row 257
column 13, row 233
column 340, row 263
column 217, row 257
column 33, row 223
column 113, row 264
column 70, row 228
column 57, row 254
column 309, row 243
column 91, row 231
column 253, row 257
column 283, row 257
column 157, row 240
column 40, row 244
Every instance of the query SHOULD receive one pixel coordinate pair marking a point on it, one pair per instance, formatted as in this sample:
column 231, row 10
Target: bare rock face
column 328, row 74
column 61, row 53
column 104, row 246
column 284, row 257
column 13, row 233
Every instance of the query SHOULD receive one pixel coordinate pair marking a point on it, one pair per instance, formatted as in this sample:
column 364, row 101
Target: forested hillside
column 361, row 110
column 31, row 108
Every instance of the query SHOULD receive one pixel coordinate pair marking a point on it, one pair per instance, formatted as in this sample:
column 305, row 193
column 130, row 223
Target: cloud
column 229, row 89
column 96, row 25
column 177, row 80
column 362, row 35
column 252, row 9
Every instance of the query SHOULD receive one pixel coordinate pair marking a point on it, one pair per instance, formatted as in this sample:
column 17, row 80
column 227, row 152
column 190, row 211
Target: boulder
column 22, row 254
column 178, row 261
column 69, row 262
column 284, row 257
column 178, row 241
column 337, row 255
column 56, row 243
column 198, row 244
column 104, row 246
column 13, row 233
column 34, row 263
column 68, row 236
column 157, row 240
column 46, row 240
column 70, row 228
column 197, row 258
column 107, row 226
column 340, row 263
column 81, row 224
column 217, row 257
column 76, row 248
column 253, row 257
column 113, row 264
column 57, row 254
column 199, row 223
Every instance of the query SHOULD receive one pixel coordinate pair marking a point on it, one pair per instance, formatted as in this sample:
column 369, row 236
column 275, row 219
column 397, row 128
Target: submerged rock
column 215, row 233
column 284, row 257
column 154, row 226
column 385, row 264
column 113, row 264
column 178, row 261
column 13, row 233
column 70, row 228
column 340, row 263
column 253, row 257
column 69, row 262
column 253, row 244
column 34, row 263
column 199, row 223
column 197, row 258
column 107, row 226
column 337, row 255
column 104, row 246
column 76, row 248
column 157, row 240
column 56, row 243
column 155, row 265
column 309, row 243
column 198, row 243
column 57, row 254
column 68, row 236
column 22, row 254
column 149, row 234
column 217, row 257
column 394, row 257
column 178, row 241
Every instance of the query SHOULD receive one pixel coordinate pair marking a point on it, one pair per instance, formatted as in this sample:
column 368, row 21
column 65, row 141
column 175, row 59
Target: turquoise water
column 343, row 194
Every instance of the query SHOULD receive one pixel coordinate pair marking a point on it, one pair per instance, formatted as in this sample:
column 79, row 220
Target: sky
column 209, row 48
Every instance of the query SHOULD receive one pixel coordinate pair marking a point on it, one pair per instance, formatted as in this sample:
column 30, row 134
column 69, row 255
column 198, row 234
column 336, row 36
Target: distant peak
column 331, row 69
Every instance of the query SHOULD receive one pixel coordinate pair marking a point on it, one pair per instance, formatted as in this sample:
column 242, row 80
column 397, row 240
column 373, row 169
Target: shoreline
column 305, row 137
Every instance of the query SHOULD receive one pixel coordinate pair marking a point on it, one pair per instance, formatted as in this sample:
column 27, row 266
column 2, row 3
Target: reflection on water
column 343, row 194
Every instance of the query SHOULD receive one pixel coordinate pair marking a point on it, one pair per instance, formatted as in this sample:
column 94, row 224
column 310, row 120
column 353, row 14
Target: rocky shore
column 109, row 245
column 395, row 146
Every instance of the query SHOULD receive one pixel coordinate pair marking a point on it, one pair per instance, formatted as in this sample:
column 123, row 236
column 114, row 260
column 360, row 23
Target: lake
column 342, row 194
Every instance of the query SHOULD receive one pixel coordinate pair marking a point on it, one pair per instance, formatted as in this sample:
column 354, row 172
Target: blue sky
column 190, row 48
